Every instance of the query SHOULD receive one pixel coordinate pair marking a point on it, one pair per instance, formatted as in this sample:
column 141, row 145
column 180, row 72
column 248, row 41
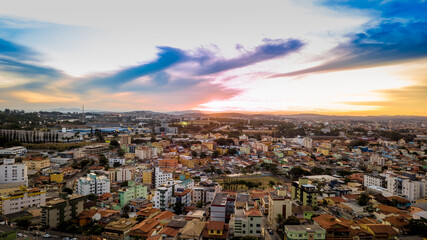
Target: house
column 380, row 231
column 86, row 216
column 335, row 228
column 313, row 232
column 119, row 230
column 215, row 230
column 192, row 230
column 146, row 229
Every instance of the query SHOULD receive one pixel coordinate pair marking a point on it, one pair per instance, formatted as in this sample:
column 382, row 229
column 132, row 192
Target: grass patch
column 238, row 183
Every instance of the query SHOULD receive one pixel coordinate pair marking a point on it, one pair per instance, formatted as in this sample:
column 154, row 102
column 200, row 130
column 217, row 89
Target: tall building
column 21, row 199
column 374, row 180
column 205, row 191
column 93, row 184
column 246, row 222
column 59, row 210
column 36, row 163
column 161, row 177
column 13, row 174
column 163, row 196
column 304, row 193
column 131, row 192
column 377, row 160
column 182, row 196
column 278, row 204
column 144, row 152
column 125, row 139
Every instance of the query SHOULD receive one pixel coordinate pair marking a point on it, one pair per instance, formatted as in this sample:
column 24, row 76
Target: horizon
column 336, row 58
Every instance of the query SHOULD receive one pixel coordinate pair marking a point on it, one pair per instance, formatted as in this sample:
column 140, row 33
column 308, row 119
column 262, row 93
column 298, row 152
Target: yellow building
column 323, row 151
column 36, row 163
column 147, row 177
column 57, row 177
column 209, row 145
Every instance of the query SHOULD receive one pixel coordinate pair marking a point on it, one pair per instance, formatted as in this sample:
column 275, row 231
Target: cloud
column 269, row 50
column 21, row 61
column 391, row 40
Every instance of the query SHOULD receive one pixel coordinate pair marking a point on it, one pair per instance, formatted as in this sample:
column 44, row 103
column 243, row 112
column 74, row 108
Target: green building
column 131, row 192
column 304, row 193
column 7, row 233
column 297, row 232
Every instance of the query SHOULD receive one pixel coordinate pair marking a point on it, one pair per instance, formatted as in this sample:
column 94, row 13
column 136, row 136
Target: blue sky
column 360, row 57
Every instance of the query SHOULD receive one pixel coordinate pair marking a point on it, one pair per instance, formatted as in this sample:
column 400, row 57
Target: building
column 218, row 207
column 163, row 196
column 278, row 204
column 36, row 163
column 161, row 176
column 377, row 160
column 307, row 143
column 17, row 151
column 182, row 196
column 119, row 230
column 168, row 163
column 164, row 128
column 300, row 232
column 13, row 174
column 304, row 193
column 56, row 177
column 20, row 200
column 144, row 152
column 112, row 161
column 215, row 230
column 57, row 211
column 147, row 177
column 131, row 192
column 125, row 139
column 334, row 227
column 246, row 223
column 93, row 184
column 374, row 180
column 205, row 191
column 124, row 174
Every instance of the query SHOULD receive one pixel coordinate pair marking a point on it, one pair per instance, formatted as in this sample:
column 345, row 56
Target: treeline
column 231, row 184
column 29, row 136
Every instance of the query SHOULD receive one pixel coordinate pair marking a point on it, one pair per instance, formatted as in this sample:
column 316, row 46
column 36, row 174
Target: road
column 70, row 181
column 54, row 235
column 266, row 225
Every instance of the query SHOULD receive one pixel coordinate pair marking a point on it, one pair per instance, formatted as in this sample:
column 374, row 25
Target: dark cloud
column 391, row 41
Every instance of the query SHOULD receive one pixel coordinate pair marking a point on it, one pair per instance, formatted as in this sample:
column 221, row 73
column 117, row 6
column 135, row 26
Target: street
column 267, row 225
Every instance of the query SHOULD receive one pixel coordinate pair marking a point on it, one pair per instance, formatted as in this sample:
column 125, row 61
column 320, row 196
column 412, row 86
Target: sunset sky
column 356, row 57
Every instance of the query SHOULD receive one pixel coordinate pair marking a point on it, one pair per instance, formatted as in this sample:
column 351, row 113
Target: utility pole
column 83, row 113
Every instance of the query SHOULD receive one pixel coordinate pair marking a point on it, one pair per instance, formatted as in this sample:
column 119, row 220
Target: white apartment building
column 161, row 177
column 14, row 151
column 22, row 199
column 376, row 159
column 307, row 142
column 411, row 190
column 373, row 180
column 404, row 186
column 124, row 174
column 144, row 152
column 163, row 196
column 111, row 161
column 182, row 196
column 205, row 191
column 93, row 184
column 12, row 173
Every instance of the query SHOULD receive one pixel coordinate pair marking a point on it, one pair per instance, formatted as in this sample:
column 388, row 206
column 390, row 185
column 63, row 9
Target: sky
column 346, row 57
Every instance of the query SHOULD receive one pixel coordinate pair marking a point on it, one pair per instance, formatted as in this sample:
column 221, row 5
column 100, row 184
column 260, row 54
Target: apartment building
column 59, row 210
column 246, row 223
column 13, row 174
column 182, row 196
column 161, row 176
column 374, row 180
column 163, row 196
column 168, row 163
column 205, row 191
column 279, row 203
column 304, row 193
column 93, row 184
column 36, row 163
column 18, row 151
column 131, row 192
column 112, row 161
column 21, row 199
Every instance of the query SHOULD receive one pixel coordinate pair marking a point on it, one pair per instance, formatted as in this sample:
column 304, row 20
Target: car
column 20, row 235
column 47, row 235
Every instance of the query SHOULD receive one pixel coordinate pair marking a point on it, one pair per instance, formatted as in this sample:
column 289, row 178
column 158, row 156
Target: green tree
column 116, row 164
column 194, row 154
column 363, row 199
column 418, row 227
column 203, row 155
column 114, row 143
column 199, row 204
column 178, row 208
column 67, row 190
column 23, row 223
column 292, row 220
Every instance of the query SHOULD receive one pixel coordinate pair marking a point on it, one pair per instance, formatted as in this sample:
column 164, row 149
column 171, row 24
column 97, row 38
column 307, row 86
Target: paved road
column 266, row 225
column 70, row 181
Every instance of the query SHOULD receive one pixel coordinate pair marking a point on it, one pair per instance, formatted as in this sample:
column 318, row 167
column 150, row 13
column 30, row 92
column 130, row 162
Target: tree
column 121, row 152
column 215, row 154
column 116, row 164
column 194, row 154
column 23, row 223
column 199, row 204
column 203, row 155
column 232, row 151
column 292, row 220
column 271, row 183
column 178, row 208
column 280, row 223
column 317, row 171
column 114, row 143
column 103, row 161
column 67, row 190
column 363, row 199
column 418, row 227
column 92, row 197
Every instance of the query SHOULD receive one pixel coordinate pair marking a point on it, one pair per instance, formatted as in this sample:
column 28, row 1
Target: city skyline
column 323, row 57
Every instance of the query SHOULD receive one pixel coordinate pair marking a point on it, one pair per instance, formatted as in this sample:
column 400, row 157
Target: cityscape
column 203, row 120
